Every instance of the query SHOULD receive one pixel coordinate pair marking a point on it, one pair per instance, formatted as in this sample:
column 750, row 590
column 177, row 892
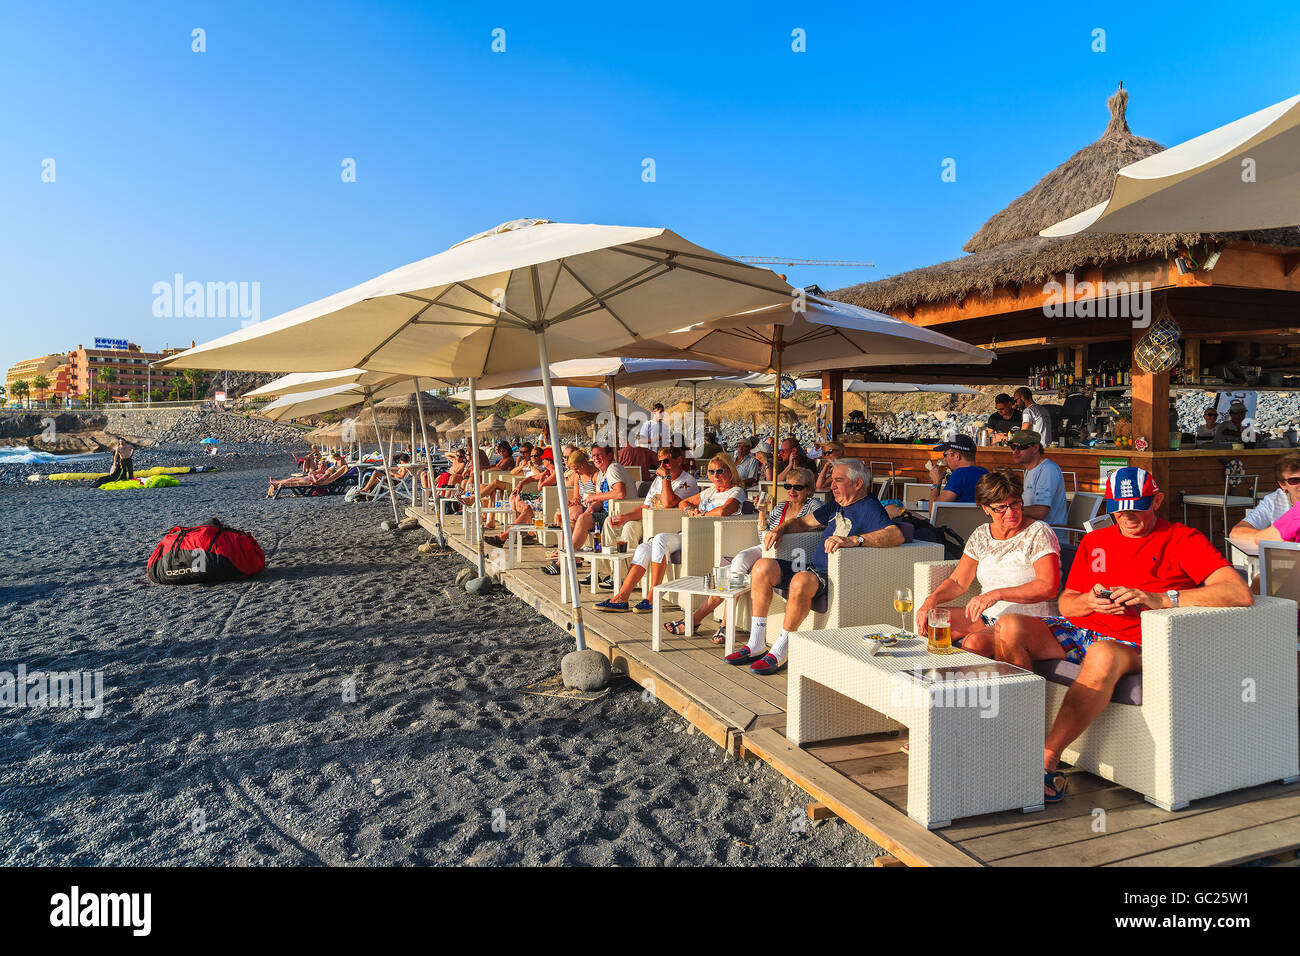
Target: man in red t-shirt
column 1141, row 563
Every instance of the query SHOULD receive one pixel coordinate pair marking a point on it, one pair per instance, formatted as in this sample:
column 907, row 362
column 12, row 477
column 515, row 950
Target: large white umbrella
column 858, row 385
column 296, row 382
column 510, row 298
column 812, row 332
column 1242, row 176
column 615, row 373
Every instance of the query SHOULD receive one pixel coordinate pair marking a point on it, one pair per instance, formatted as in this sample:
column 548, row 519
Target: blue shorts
column 788, row 572
column 1075, row 640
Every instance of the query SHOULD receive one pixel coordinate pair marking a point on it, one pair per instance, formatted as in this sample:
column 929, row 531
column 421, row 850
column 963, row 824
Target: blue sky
column 225, row 165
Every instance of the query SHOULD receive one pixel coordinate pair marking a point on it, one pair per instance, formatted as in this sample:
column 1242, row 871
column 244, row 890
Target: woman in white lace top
column 1016, row 560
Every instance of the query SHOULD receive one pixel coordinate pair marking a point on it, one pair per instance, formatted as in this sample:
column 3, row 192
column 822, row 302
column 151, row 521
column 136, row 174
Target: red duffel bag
column 210, row 552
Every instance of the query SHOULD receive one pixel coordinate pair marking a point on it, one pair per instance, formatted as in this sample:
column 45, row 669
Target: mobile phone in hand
column 1104, row 593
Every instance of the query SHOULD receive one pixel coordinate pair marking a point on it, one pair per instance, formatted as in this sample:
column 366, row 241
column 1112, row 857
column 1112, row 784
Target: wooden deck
column 863, row 780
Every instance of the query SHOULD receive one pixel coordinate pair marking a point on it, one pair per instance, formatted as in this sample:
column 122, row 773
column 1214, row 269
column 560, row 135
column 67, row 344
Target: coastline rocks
column 480, row 586
column 585, row 670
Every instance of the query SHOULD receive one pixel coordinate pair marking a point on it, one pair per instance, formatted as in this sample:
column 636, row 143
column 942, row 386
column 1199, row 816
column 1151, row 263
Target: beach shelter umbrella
column 813, row 332
column 615, row 373
column 1242, row 176
column 299, row 383
column 209, row 441
column 749, row 406
column 516, row 296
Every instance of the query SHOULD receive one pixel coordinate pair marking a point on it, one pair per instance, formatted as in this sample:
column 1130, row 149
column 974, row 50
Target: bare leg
column 799, row 600
column 1104, row 664
column 762, row 579
column 1021, row 640
column 634, row 575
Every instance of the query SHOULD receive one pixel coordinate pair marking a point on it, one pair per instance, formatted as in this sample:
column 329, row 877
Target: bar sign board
column 1106, row 466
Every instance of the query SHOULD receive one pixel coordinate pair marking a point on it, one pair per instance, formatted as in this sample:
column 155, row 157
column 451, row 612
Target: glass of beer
column 539, row 522
column 903, row 605
column 940, row 632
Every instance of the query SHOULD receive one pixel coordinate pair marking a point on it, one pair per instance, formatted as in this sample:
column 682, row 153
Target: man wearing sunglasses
column 672, row 483
column 855, row 519
column 964, row 474
column 1044, row 493
column 1276, row 503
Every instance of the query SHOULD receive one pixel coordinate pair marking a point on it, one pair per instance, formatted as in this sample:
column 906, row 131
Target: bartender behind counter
column 1231, row 430
column 1005, row 420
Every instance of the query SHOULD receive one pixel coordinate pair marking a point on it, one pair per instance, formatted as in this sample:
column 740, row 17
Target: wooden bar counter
column 1191, row 470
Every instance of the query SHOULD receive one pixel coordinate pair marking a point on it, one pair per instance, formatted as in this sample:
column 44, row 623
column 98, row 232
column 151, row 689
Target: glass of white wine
column 903, row 605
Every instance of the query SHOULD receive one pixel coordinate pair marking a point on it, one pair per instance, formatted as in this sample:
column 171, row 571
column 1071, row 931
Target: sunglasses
column 1292, row 481
column 795, row 487
column 1018, row 446
column 717, row 471
column 999, row 509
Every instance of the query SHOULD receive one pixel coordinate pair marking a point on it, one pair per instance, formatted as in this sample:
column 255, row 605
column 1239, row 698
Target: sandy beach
column 226, row 738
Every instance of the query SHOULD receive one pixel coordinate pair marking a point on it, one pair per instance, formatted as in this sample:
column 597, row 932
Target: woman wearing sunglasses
column 724, row 498
column 1017, row 561
column 800, row 501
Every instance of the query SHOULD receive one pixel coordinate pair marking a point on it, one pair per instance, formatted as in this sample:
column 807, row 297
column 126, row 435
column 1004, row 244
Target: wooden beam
column 1290, row 262
column 819, row 811
column 1150, row 403
column 833, row 392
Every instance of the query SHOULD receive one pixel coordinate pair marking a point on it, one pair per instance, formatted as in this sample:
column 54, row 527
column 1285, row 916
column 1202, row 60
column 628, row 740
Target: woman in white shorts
column 725, row 498
column 799, row 488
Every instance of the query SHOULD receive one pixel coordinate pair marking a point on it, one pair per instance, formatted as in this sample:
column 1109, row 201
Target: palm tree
column 195, row 378
column 175, row 385
column 40, row 383
column 19, row 389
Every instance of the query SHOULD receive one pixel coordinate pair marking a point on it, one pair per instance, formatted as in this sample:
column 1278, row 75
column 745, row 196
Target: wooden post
column 1080, row 362
column 1192, row 359
column 1150, row 404
column 833, row 392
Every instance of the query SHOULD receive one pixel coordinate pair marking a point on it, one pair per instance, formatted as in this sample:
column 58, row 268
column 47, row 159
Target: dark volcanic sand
column 225, row 738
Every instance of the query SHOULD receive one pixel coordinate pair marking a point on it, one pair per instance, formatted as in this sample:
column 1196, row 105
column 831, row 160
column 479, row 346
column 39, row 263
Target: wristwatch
column 1173, row 597
column 859, row 539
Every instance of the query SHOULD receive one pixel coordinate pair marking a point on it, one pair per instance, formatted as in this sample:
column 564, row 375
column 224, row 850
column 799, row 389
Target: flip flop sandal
column 676, row 628
column 550, row 569
column 1054, row 793
column 719, row 637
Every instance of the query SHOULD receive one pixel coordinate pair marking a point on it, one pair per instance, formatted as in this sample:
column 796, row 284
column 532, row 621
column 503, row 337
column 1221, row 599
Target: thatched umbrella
column 752, row 405
column 571, row 423
column 401, row 411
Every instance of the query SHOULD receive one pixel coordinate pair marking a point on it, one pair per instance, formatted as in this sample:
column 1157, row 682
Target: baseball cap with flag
column 1130, row 489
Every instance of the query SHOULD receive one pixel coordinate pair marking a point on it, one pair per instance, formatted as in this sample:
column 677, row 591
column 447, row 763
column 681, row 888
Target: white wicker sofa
column 1212, row 711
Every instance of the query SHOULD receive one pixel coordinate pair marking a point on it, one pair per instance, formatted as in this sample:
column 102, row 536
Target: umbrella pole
column 478, row 499
column 613, row 404
column 567, row 554
column 428, row 466
column 776, row 394
column 693, row 419
column 388, row 477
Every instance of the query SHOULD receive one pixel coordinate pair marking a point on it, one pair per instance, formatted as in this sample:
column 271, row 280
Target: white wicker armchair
column 862, row 580
column 1217, row 711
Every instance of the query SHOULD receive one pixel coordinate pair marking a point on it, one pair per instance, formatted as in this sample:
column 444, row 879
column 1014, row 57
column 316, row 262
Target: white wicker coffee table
column 975, row 746
column 689, row 588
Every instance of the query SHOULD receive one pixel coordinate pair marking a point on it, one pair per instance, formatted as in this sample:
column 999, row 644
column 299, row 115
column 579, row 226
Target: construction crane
column 782, row 261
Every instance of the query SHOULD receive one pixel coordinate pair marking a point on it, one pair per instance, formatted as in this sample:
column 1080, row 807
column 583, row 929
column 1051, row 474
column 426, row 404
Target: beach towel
column 209, row 552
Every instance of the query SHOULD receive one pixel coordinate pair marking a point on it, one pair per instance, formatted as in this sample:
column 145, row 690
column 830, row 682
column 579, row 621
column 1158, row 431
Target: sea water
column 22, row 455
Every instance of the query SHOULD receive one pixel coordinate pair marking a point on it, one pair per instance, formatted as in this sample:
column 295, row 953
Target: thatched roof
column 570, row 423
column 752, row 404
column 401, row 410
column 1007, row 250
